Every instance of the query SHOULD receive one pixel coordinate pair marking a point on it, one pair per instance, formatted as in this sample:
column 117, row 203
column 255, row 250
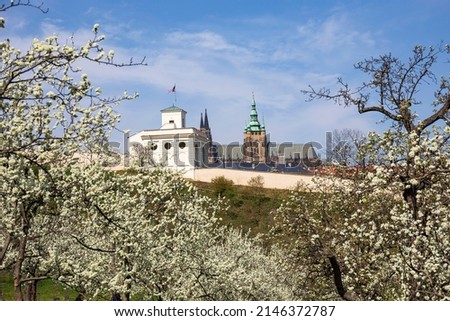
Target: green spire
column 254, row 125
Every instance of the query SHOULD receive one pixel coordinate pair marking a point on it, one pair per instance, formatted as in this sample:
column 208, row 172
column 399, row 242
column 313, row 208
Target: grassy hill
column 250, row 207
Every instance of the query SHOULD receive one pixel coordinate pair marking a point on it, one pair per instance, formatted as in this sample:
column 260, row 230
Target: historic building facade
column 183, row 148
column 255, row 147
column 173, row 145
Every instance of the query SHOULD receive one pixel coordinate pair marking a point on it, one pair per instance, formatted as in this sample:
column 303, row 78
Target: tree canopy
column 384, row 232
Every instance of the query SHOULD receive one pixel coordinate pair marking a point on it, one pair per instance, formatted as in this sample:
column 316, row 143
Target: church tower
column 204, row 127
column 255, row 139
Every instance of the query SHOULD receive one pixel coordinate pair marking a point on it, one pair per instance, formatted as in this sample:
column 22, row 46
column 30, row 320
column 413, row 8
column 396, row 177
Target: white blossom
column 95, row 28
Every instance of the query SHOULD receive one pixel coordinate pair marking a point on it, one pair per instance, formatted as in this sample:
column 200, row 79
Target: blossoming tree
column 384, row 232
column 151, row 235
column 49, row 110
column 137, row 234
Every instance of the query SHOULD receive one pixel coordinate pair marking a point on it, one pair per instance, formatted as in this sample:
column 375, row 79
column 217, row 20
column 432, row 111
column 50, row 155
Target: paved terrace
column 241, row 177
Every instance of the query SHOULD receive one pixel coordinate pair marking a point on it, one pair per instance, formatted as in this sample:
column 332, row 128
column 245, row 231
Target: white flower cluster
column 151, row 235
column 49, row 112
column 388, row 227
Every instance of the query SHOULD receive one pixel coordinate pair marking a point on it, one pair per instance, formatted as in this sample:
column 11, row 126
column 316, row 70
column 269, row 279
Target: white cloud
column 215, row 71
column 205, row 39
column 224, row 85
column 336, row 31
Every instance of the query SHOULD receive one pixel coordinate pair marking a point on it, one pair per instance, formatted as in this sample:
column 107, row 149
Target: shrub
column 223, row 187
column 256, row 182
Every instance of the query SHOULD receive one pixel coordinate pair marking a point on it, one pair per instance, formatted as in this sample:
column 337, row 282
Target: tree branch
column 34, row 278
column 397, row 84
column 364, row 109
column 90, row 247
column 4, row 250
column 337, row 275
column 110, row 63
column 440, row 114
column 18, row 3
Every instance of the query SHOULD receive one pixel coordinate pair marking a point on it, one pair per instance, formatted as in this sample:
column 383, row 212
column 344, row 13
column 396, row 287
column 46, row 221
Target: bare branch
column 381, row 109
column 396, row 84
column 28, row 3
column 440, row 114
column 111, row 63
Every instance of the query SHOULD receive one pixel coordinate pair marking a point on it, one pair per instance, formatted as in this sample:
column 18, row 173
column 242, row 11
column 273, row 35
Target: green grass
column 250, row 208
column 47, row 290
column 6, row 286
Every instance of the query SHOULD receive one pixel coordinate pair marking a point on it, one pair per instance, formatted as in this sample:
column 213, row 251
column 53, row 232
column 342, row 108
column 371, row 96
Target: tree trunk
column 31, row 290
column 337, row 275
column 410, row 197
column 17, row 273
column 127, row 294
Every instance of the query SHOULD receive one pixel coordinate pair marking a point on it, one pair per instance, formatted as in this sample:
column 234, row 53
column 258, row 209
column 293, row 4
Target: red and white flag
column 172, row 90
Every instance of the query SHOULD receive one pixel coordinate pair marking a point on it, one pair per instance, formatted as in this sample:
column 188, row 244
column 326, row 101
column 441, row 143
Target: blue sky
column 219, row 52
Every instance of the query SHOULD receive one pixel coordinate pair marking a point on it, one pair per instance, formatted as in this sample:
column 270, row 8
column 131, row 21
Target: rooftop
column 172, row 109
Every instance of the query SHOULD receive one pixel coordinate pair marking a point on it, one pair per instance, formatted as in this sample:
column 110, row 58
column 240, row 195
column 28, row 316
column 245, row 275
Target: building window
column 182, row 145
column 171, row 121
column 153, row 146
column 167, row 146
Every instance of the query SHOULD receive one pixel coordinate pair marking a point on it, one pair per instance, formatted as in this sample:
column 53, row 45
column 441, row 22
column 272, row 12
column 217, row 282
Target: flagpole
column 174, row 91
